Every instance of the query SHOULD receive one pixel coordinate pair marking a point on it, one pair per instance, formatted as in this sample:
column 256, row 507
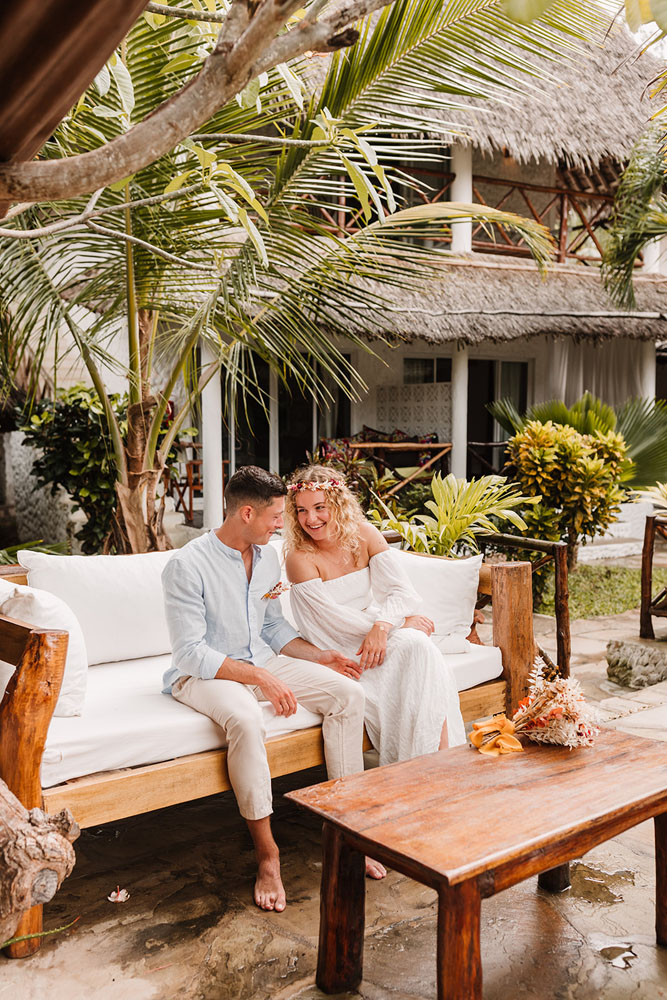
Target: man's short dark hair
column 252, row 485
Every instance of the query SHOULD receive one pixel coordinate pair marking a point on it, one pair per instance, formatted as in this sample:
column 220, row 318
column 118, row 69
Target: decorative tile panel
column 417, row 409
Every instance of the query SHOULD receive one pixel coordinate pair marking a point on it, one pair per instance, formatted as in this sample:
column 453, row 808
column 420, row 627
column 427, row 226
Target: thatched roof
column 480, row 300
column 597, row 109
column 590, row 107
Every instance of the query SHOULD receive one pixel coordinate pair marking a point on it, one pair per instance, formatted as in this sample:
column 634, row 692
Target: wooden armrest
column 14, row 573
column 28, row 703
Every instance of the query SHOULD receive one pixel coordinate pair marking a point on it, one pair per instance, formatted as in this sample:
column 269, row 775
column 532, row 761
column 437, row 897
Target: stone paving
column 191, row 931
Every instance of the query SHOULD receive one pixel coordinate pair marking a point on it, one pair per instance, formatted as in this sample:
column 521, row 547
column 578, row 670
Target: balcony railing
column 575, row 218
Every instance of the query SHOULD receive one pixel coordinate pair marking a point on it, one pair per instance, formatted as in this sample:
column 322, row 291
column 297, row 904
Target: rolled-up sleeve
column 186, row 619
column 276, row 631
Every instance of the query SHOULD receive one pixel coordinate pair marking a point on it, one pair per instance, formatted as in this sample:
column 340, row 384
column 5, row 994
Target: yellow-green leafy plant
column 577, row 475
column 460, row 511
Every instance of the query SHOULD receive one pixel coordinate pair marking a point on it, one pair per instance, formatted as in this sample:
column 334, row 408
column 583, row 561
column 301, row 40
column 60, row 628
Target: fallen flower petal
column 119, row 895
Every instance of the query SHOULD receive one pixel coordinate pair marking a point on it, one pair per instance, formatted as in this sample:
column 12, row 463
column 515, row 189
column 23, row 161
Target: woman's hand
column 374, row 646
column 420, row 622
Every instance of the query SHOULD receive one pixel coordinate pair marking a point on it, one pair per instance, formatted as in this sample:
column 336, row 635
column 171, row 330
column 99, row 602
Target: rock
column 636, row 664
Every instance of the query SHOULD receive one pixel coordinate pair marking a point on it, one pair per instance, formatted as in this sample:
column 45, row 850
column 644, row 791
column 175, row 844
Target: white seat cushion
column 128, row 721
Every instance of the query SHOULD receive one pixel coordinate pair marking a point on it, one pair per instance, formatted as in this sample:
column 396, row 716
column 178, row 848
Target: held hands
column 374, row 646
column 420, row 622
column 341, row 664
column 277, row 693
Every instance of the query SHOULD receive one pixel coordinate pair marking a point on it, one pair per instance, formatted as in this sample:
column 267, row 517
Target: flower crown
column 327, row 484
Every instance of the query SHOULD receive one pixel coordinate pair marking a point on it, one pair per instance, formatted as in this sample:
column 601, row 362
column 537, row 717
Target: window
column 420, row 371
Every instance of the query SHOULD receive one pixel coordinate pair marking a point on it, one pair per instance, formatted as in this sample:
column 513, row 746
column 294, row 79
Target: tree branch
column 244, row 50
column 94, row 213
column 234, row 138
column 186, row 15
column 116, row 234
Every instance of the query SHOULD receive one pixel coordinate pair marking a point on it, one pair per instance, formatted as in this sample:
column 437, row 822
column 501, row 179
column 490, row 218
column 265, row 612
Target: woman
column 349, row 590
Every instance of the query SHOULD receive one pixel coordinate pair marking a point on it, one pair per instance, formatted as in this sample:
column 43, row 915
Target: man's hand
column 277, row 693
column 341, row 664
column 420, row 622
column 374, row 646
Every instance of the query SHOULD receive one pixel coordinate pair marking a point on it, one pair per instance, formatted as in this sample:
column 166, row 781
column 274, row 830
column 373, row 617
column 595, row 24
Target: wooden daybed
column 29, row 700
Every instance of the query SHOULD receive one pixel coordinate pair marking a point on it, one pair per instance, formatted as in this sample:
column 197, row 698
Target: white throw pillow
column 117, row 600
column 448, row 588
column 45, row 610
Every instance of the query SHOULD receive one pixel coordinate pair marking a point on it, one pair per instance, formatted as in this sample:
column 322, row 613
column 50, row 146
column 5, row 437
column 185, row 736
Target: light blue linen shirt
column 213, row 611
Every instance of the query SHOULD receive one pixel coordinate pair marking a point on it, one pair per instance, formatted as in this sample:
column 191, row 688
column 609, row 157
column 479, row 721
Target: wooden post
column 562, row 609
column 342, row 914
column 25, row 714
column 645, row 620
column 555, row 879
column 660, row 824
column 562, row 233
column 512, row 600
column 459, row 962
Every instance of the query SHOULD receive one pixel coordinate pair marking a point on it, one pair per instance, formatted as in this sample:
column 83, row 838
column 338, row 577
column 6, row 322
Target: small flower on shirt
column 275, row 592
column 119, row 895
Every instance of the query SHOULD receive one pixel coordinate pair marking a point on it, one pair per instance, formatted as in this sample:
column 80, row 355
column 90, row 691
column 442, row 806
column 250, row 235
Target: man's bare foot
column 374, row 869
column 269, row 892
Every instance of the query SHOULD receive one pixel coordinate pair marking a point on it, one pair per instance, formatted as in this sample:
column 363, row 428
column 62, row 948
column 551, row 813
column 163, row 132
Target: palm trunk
column 138, row 520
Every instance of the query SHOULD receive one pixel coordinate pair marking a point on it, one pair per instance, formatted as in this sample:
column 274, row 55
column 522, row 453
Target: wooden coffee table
column 470, row 826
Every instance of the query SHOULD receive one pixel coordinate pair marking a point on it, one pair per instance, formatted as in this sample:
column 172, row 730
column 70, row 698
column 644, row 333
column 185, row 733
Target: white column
column 461, row 190
column 274, row 424
column 648, row 368
column 211, row 418
column 459, row 412
column 655, row 261
column 232, row 433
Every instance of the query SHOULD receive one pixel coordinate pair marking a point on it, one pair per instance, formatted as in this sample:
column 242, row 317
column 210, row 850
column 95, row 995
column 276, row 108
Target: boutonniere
column 275, row 592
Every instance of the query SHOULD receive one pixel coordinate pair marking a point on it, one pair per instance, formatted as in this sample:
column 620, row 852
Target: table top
column 458, row 813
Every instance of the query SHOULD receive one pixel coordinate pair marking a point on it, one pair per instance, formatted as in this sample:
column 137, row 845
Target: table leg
column 555, row 879
column 342, row 914
column 660, row 823
column 459, row 959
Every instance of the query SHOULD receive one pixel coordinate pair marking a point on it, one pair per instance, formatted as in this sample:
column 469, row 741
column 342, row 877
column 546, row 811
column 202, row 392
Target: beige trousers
column 235, row 708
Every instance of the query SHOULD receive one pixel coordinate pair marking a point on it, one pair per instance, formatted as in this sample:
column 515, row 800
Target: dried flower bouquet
column 554, row 711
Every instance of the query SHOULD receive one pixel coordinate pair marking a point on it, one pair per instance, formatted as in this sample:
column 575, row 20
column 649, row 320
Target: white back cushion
column 117, row 600
column 448, row 588
column 45, row 610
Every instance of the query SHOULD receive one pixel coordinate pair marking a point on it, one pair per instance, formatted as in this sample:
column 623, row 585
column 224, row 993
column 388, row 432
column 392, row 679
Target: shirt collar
column 234, row 553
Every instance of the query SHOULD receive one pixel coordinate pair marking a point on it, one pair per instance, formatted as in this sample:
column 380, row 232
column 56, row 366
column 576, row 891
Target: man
column 232, row 648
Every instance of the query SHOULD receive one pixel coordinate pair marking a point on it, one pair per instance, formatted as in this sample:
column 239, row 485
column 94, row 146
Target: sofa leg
column 30, row 923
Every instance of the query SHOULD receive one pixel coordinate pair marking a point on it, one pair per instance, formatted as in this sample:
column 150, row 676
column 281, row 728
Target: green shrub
column 75, row 453
column 577, row 475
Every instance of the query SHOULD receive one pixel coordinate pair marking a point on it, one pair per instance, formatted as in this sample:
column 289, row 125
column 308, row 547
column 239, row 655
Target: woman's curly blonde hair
column 343, row 505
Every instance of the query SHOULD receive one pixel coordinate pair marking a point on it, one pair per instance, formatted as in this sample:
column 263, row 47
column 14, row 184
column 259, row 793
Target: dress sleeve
column 324, row 622
column 392, row 591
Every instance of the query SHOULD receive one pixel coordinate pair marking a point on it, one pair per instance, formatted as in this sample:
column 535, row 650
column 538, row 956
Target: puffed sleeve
column 392, row 591
column 324, row 622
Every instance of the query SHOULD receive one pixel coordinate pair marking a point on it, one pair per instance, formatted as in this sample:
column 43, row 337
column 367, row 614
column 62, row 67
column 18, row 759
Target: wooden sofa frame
column 30, row 697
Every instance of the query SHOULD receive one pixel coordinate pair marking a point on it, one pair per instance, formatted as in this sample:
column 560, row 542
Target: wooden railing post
column 562, row 232
column 562, row 609
column 512, row 600
column 645, row 621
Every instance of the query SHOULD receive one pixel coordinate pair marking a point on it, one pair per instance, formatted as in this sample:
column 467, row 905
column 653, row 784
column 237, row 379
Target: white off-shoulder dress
column 411, row 694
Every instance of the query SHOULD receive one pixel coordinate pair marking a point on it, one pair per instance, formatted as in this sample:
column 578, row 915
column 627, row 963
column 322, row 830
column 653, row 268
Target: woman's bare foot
column 269, row 890
column 374, row 869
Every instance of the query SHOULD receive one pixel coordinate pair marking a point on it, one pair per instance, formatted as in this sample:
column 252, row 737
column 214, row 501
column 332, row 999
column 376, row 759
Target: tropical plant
column 577, row 475
column 8, row 555
column 460, row 511
column 657, row 495
column 224, row 247
column 642, row 423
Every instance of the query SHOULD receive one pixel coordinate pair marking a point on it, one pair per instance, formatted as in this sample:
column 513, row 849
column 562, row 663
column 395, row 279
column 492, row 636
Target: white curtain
column 612, row 370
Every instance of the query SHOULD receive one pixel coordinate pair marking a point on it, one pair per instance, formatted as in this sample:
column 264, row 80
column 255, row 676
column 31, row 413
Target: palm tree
column 227, row 241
